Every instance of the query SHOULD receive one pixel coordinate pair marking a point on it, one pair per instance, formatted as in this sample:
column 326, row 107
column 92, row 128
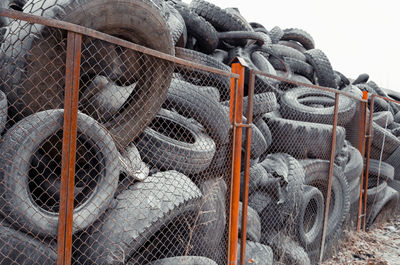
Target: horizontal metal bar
column 242, row 125
column 108, row 38
column 328, row 89
column 388, row 99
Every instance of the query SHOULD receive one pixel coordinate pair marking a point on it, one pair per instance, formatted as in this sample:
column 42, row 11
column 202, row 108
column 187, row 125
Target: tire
column 175, row 142
column 302, row 139
column 262, row 103
column 256, row 175
column 264, row 129
column 282, row 51
column 375, row 192
column 300, row 36
column 202, row 78
column 294, row 65
column 361, row 79
column 23, row 206
column 355, row 188
column 37, row 93
column 383, row 118
column 384, row 170
column 184, row 260
column 260, row 38
column 322, row 68
column 316, row 172
column 18, row 248
column 190, row 101
column 384, row 139
column 286, row 250
column 176, row 24
column 132, row 165
column 354, row 165
column 262, row 63
column 294, row 105
column 204, row 33
column 208, row 235
column 258, row 144
column 311, row 210
column 293, row 44
column 276, row 34
column 3, row 111
column 253, row 229
column 292, row 78
column 139, row 213
column 389, row 202
column 257, row 253
column 343, row 80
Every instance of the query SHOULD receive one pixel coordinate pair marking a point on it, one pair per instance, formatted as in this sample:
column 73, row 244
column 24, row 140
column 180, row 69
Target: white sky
column 357, row 36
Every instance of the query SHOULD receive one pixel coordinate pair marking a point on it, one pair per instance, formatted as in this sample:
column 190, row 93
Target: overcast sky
column 357, row 36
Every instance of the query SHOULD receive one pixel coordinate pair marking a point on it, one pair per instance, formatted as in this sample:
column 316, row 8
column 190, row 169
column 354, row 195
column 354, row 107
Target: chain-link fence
column 117, row 153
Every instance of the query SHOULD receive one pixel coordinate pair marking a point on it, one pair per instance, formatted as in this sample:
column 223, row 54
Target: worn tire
column 282, row 51
column 361, row 79
column 384, row 170
column 316, row 172
column 25, row 78
column 302, row 139
column 257, row 253
column 184, row 260
column 17, row 151
column 293, row 44
column 294, row 65
column 264, row 129
column 139, row 213
column 175, row 142
column 354, row 165
column 384, row 137
column 294, row 105
column 3, row 111
column 389, row 202
column 276, row 34
column 383, row 118
column 322, row 68
column 253, row 229
column 299, row 35
column 19, row 248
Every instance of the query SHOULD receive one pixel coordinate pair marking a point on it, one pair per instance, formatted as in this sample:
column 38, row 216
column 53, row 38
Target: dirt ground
column 380, row 245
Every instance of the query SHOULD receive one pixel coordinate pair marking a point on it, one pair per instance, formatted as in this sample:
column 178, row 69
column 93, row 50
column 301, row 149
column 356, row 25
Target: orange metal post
column 361, row 148
column 331, row 165
column 65, row 220
column 236, row 114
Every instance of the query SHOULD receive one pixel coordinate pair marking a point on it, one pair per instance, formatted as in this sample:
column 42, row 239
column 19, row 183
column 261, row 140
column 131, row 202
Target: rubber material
column 3, row 111
column 300, row 36
column 253, row 230
column 184, row 260
column 322, row 68
column 257, row 253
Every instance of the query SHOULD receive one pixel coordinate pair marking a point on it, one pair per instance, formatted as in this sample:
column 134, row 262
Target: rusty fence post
column 236, row 114
column 361, row 148
column 248, row 126
column 65, row 220
column 330, row 175
column 369, row 138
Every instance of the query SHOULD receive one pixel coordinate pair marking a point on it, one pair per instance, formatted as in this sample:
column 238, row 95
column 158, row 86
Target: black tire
column 383, row 118
column 285, row 249
column 282, row 51
column 175, row 142
column 293, row 44
column 256, row 25
column 204, row 33
column 322, row 68
column 260, row 38
column 343, row 80
column 294, row 65
column 256, row 174
column 262, row 103
column 198, row 77
column 264, row 129
column 184, row 260
column 276, row 34
column 190, row 101
column 27, row 84
column 258, row 144
column 176, row 24
column 303, row 139
column 311, row 217
column 395, row 184
column 261, row 62
column 19, row 248
column 294, row 105
column 316, row 174
column 22, row 205
column 253, row 229
column 375, row 191
column 139, row 213
column 3, row 111
column 211, row 222
column 257, row 253
column 300, row 36
column 292, row 77
column 384, row 170
column 384, row 139
column 132, row 166
column 389, row 202
column 354, row 165
column 361, row 79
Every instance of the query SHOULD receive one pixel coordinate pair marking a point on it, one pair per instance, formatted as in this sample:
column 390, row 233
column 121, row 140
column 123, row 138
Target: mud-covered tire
column 300, row 36
column 302, row 139
column 139, row 212
column 204, row 33
column 3, row 111
column 294, row 105
column 207, row 237
column 17, row 150
column 26, row 72
column 257, row 253
column 203, row 78
column 19, row 248
column 253, row 229
column 316, row 172
column 175, row 142
column 322, row 68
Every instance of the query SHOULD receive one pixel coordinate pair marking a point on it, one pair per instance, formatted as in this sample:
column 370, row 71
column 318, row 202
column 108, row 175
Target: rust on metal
column 331, row 166
column 361, row 148
column 237, row 107
column 65, row 220
column 108, row 38
column 247, row 168
column 371, row 113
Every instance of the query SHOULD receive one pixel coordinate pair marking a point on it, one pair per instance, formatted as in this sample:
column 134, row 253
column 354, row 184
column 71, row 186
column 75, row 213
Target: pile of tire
column 152, row 173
